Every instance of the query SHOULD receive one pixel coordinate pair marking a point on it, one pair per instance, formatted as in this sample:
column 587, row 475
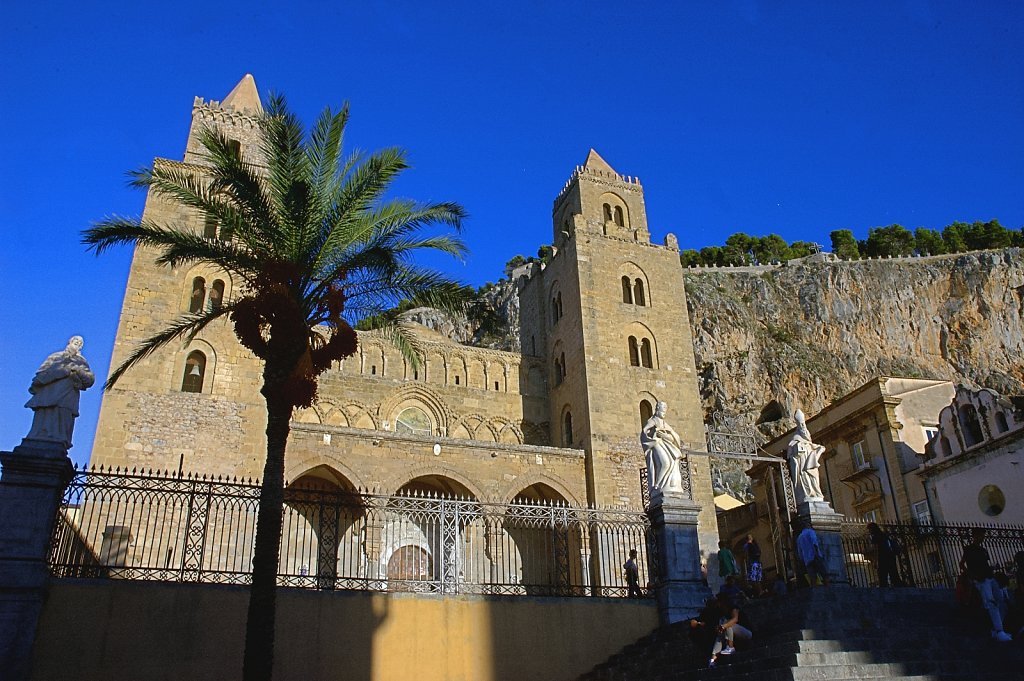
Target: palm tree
column 316, row 247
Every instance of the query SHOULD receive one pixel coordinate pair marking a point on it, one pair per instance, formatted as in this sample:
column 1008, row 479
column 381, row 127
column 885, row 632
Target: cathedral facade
column 605, row 336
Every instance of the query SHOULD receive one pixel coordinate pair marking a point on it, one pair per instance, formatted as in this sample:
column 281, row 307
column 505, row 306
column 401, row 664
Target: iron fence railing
column 928, row 555
column 187, row 529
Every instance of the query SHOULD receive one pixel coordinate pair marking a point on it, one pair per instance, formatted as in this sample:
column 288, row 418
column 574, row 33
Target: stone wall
column 106, row 631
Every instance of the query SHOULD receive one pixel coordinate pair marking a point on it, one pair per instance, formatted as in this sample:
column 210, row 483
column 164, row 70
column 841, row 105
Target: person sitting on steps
column 729, row 630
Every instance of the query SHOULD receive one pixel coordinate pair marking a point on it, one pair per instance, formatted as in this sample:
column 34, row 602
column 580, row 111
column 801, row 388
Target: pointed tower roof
column 244, row 96
column 595, row 162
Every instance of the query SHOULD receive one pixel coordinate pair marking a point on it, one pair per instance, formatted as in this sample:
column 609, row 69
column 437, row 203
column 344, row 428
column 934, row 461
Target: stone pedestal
column 35, row 475
column 680, row 590
column 827, row 524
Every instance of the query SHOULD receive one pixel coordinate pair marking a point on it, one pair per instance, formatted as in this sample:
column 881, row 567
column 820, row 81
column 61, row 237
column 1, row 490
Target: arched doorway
column 543, row 541
column 324, row 521
column 426, row 530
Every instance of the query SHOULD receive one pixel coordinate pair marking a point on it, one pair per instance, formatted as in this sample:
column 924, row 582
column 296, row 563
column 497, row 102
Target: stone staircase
column 833, row 633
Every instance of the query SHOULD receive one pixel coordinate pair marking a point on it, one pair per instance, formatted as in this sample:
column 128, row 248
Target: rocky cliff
column 801, row 335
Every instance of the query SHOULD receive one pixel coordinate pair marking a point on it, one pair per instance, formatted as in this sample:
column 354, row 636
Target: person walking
column 753, row 554
column 632, row 571
column 726, row 561
column 810, row 554
column 975, row 563
column 886, row 550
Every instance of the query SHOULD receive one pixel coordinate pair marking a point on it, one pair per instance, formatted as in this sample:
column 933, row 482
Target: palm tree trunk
column 259, row 629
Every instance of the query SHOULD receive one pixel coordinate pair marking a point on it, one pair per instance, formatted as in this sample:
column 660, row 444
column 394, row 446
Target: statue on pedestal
column 803, row 457
column 55, row 390
column 663, row 448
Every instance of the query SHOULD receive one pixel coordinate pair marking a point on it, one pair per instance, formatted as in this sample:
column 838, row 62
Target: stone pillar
column 680, row 590
column 827, row 524
column 34, row 477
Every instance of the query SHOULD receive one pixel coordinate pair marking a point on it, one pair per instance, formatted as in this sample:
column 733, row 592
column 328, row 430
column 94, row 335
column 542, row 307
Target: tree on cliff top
column 314, row 248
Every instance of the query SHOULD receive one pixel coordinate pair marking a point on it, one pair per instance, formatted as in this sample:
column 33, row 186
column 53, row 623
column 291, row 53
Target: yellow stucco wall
column 134, row 630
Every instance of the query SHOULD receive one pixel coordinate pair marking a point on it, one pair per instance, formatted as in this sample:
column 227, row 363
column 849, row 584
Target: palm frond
column 186, row 325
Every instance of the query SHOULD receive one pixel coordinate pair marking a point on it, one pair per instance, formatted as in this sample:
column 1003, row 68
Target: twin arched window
column 559, row 368
column 615, row 214
column 199, row 296
column 633, row 291
column 195, row 372
column 556, row 307
column 640, row 353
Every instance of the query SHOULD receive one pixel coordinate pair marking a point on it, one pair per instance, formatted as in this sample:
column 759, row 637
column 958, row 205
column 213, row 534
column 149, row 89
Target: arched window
column 638, row 292
column 645, row 354
column 413, row 421
column 970, row 425
column 646, row 412
column 619, row 220
column 627, row 291
column 567, row 429
column 195, row 303
column 216, row 294
column 195, row 372
column 607, row 213
column 210, row 228
column 634, row 352
column 1001, row 425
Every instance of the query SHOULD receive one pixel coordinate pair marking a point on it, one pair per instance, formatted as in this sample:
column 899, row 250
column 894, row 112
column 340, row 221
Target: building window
column 991, row 500
column 627, row 291
column 210, row 228
column 619, row 220
column 921, row 513
column 413, row 421
column 857, row 450
column 634, row 352
column 195, row 303
column 638, row 293
column 970, row 425
column 567, row 429
column 646, row 359
column 216, row 295
column 195, row 372
column 607, row 213
column 645, row 412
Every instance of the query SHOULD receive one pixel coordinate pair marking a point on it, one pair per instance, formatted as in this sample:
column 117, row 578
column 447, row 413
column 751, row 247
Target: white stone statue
column 803, row 456
column 55, row 390
column 663, row 449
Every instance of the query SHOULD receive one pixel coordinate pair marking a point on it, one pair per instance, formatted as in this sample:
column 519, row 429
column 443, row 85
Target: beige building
column 874, row 441
column 604, row 331
column 974, row 468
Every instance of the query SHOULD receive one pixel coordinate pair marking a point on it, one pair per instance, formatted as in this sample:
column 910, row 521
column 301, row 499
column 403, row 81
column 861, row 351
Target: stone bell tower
column 609, row 312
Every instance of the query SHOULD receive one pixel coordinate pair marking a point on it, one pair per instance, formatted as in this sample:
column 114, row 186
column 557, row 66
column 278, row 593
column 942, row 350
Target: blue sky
column 789, row 117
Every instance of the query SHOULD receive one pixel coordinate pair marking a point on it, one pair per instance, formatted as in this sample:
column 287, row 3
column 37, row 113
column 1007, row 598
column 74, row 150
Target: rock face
column 803, row 335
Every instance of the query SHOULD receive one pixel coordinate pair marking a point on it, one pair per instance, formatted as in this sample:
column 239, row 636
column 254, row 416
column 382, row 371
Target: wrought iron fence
column 927, row 555
column 170, row 528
